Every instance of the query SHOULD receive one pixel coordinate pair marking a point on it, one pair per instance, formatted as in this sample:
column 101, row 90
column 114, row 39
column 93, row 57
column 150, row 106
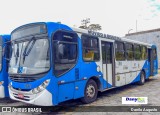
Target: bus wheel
column 91, row 92
column 142, row 78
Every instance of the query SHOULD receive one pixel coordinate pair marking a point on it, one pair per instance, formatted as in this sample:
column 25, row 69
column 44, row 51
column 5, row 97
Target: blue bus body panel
column 67, row 90
column 146, row 69
column 4, row 73
column 74, row 81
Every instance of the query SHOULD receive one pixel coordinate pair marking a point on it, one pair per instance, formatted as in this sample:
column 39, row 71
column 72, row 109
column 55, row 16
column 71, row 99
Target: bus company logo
column 20, row 70
column 6, row 109
column 27, row 85
column 134, row 100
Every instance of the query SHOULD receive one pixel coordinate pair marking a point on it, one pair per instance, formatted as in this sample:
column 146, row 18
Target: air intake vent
column 23, row 78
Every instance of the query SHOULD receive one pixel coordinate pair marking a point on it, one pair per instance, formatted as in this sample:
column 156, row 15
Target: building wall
column 150, row 37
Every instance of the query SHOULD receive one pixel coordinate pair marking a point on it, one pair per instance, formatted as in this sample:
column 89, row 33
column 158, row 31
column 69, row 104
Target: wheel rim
column 90, row 91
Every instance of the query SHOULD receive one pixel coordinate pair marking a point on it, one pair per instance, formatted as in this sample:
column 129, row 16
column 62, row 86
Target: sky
column 117, row 17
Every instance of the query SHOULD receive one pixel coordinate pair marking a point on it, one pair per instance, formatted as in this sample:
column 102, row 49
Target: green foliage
column 93, row 27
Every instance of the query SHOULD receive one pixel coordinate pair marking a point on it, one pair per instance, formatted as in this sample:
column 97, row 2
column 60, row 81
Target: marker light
column 1, row 83
column 41, row 87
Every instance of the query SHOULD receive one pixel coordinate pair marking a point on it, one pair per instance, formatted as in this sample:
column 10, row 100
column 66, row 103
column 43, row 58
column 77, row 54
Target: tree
column 84, row 23
column 93, row 27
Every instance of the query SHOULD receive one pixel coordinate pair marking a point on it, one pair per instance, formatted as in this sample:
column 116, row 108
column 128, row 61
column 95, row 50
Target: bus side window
column 120, row 51
column 90, row 48
column 129, row 51
column 65, row 51
column 137, row 52
column 144, row 52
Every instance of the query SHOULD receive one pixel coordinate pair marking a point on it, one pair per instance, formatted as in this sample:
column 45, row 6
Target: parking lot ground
column 113, row 97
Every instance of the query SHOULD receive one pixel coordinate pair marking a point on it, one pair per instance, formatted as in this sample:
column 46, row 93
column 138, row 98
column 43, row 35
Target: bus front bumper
column 43, row 98
column 2, row 93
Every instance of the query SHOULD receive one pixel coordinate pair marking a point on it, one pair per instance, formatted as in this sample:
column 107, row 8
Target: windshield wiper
column 28, row 49
column 16, row 54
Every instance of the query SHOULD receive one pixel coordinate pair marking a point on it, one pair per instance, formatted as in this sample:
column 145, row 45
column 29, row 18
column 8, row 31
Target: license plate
column 21, row 96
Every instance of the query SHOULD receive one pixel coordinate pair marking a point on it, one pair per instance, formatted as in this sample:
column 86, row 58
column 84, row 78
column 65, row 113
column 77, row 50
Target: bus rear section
column 134, row 62
column 4, row 61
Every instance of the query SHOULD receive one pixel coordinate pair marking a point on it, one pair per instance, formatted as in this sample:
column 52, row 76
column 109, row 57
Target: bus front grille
column 25, row 98
column 23, row 79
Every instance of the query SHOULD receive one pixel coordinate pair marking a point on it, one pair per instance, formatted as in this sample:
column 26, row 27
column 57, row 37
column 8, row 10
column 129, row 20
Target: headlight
column 41, row 87
column 35, row 90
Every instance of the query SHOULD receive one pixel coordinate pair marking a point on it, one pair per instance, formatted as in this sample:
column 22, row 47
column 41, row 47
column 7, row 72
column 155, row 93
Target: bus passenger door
column 107, row 62
column 65, row 55
column 152, row 56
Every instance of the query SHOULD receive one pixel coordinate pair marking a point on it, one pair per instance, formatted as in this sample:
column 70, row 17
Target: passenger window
column 144, row 52
column 129, row 51
column 106, row 52
column 120, row 52
column 137, row 52
column 65, row 51
column 90, row 48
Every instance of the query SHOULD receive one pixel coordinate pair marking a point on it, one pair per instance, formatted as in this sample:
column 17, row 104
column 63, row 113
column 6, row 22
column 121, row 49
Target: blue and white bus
column 4, row 61
column 52, row 63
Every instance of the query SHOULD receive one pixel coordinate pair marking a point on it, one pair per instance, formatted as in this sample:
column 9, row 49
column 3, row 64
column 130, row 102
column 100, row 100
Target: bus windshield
column 30, row 57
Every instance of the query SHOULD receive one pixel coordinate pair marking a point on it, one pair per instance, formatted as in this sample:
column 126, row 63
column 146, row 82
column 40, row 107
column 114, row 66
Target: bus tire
column 90, row 93
column 142, row 78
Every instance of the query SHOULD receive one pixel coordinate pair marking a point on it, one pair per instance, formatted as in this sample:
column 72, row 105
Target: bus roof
column 103, row 35
column 93, row 33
